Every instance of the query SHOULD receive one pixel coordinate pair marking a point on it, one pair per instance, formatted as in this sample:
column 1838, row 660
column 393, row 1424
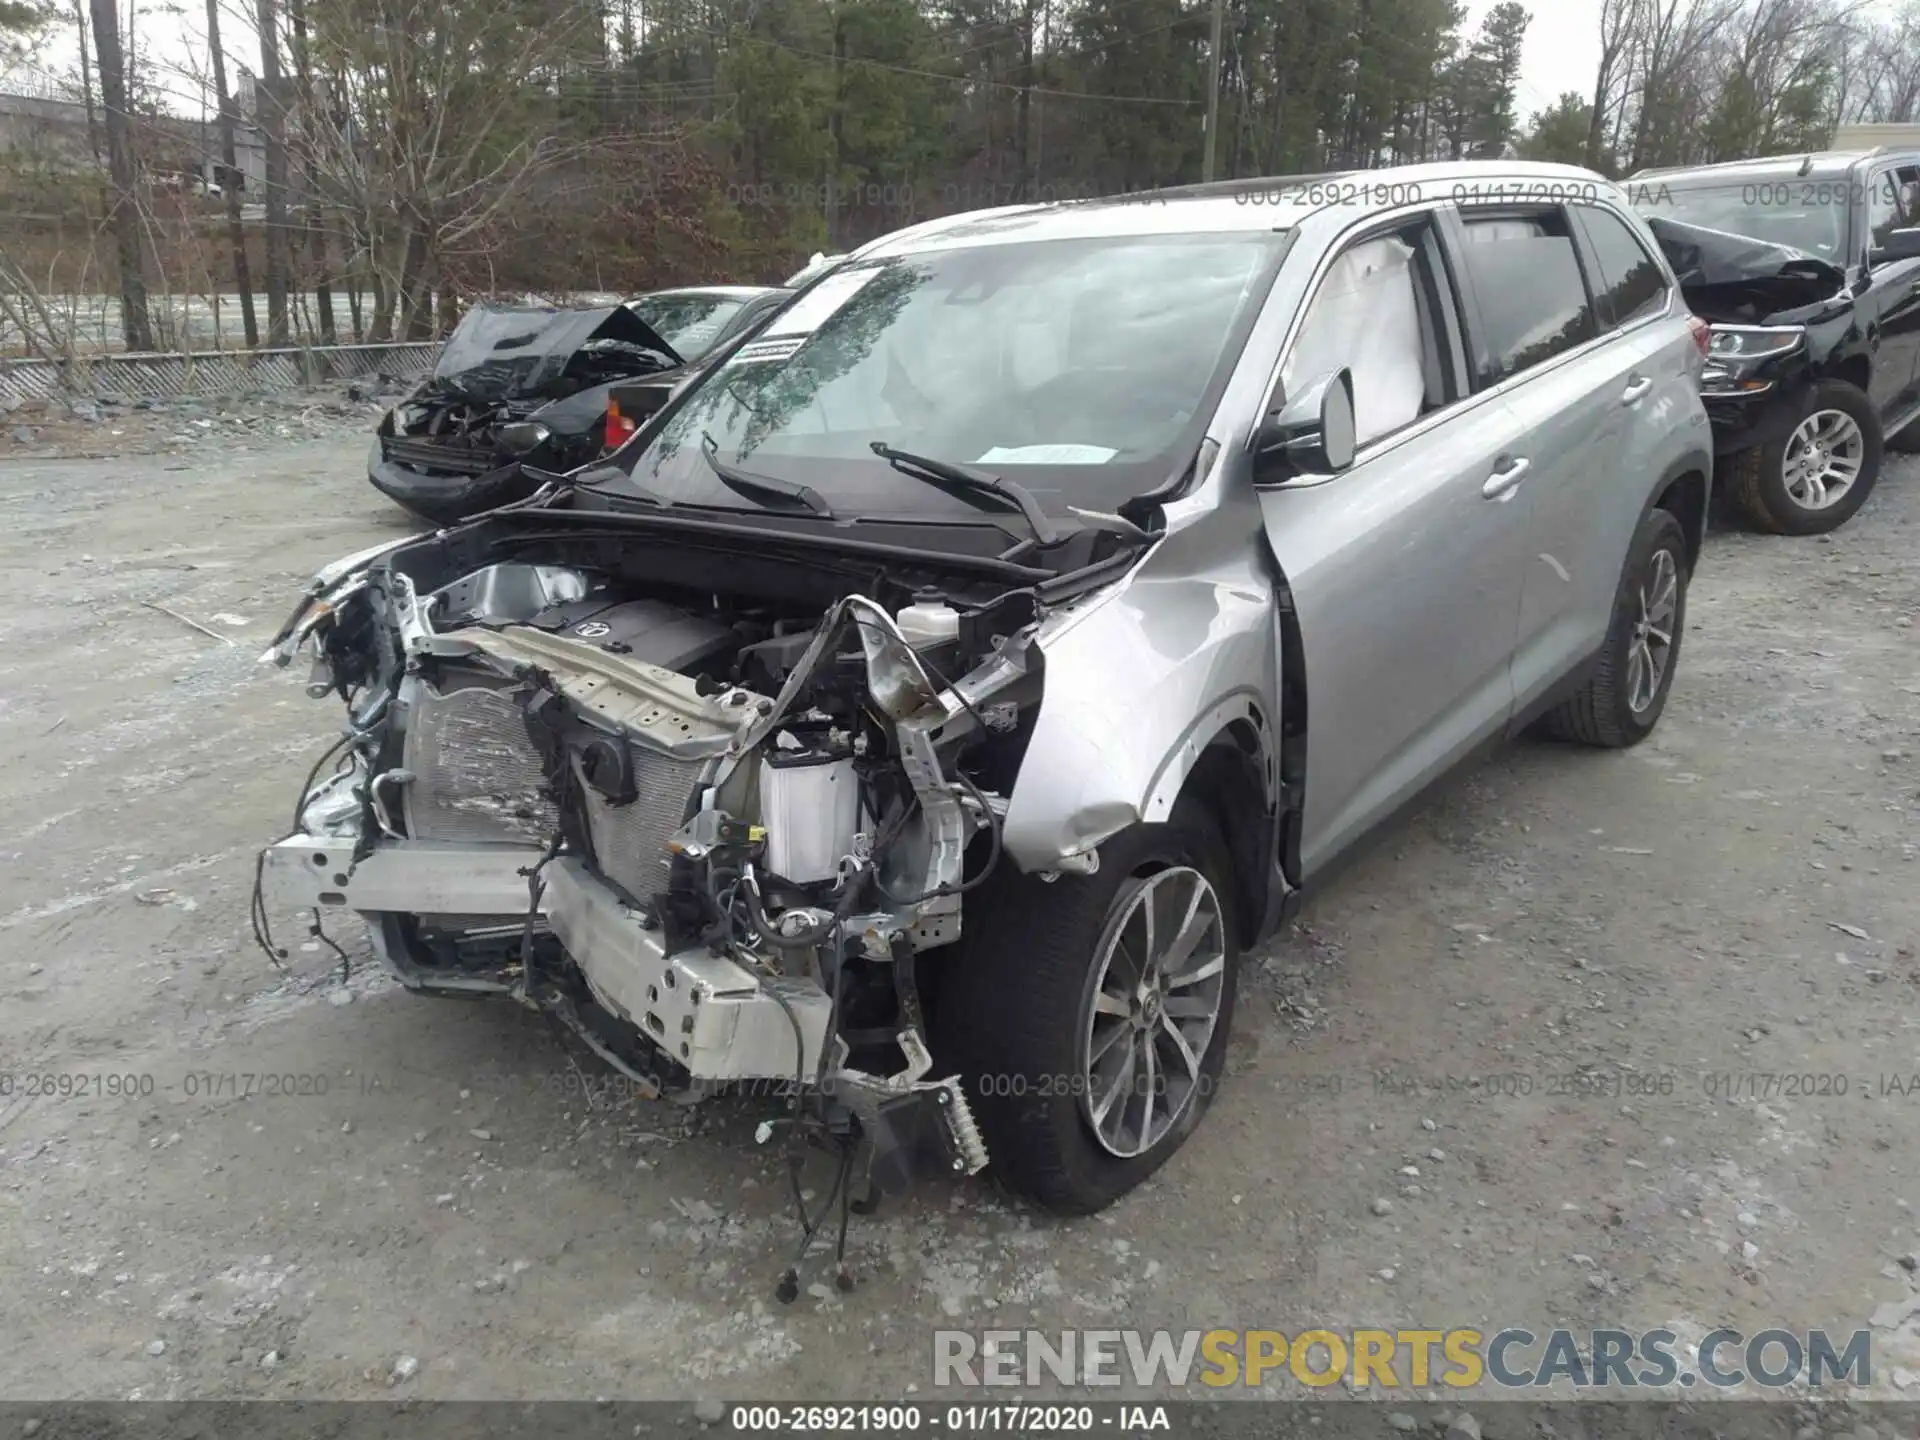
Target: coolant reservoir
column 928, row 622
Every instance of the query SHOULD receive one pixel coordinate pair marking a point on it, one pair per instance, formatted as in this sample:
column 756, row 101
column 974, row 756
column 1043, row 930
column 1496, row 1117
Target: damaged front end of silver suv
column 709, row 833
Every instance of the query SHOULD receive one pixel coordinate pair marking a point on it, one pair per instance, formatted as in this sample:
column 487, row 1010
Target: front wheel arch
column 1010, row 997
column 1762, row 489
column 1232, row 782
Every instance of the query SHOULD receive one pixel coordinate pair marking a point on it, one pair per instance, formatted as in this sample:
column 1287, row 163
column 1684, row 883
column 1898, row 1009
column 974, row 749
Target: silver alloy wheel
column 1824, row 457
column 1653, row 632
column 1159, row 977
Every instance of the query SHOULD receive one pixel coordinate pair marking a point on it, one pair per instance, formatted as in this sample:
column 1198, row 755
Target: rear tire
column 1623, row 699
column 1791, row 487
column 1907, row 441
column 1046, row 1071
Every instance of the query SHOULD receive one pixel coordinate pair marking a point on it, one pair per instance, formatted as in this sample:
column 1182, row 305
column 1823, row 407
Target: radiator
column 476, row 774
column 630, row 841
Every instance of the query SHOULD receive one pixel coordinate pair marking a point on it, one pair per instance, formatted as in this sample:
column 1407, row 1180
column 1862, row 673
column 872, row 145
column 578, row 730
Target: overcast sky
column 1563, row 48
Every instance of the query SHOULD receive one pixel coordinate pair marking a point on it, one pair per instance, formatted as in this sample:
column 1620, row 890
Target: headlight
column 1753, row 342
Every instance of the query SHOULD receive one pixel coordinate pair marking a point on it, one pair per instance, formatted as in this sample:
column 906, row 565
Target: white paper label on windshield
column 821, row 303
column 1047, row 455
column 757, row 350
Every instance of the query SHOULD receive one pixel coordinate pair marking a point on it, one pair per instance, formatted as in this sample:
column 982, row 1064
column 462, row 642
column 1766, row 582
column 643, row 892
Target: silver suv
column 921, row 715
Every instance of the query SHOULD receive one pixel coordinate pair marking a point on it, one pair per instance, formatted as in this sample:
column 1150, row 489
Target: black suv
column 1808, row 270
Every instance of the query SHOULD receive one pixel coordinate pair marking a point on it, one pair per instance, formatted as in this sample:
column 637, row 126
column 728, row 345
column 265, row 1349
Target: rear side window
column 1631, row 285
column 1533, row 298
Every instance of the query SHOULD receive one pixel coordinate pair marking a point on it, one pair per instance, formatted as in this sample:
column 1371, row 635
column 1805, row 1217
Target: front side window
column 1893, row 203
column 1372, row 316
column 1533, row 298
column 1078, row 367
column 1632, row 284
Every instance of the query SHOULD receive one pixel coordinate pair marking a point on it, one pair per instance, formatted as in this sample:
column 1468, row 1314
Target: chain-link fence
column 211, row 372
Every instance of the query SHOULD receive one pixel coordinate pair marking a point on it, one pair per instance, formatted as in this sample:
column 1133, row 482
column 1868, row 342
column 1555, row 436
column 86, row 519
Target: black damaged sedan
column 519, row 386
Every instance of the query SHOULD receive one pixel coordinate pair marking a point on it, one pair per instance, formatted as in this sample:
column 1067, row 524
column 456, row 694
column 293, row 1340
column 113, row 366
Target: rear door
column 1549, row 343
column 1405, row 568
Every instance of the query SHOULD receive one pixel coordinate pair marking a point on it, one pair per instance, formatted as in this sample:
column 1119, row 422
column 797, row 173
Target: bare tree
column 273, row 131
column 437, row 114
column 135, row 324
column 230, row 176
column 315, row 227
column 1673, row 50
column 1616, row 35
column 1888, row 61
column 86, row 78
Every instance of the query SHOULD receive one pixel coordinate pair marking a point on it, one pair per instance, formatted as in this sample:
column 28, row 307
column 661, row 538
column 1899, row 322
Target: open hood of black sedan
column 498, row 351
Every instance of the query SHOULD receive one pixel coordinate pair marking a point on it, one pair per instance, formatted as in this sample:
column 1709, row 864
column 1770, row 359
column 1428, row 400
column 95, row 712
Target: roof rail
column 1807, row 160
column 1244, row 185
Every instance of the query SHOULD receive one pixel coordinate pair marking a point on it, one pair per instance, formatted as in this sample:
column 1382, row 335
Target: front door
column 1406, row 567
column 1892, row 301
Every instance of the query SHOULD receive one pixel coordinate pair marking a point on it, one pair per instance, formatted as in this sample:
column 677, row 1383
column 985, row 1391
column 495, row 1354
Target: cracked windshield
column 1083, row 369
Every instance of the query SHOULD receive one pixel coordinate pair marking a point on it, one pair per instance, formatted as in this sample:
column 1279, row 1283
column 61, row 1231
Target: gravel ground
column 1467, row 1089
column 177, row 430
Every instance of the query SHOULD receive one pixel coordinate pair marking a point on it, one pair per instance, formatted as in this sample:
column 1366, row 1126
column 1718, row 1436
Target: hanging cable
column 257, row 907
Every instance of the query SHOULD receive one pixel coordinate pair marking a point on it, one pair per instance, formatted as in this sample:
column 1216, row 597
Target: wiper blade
column 748, row 483
column 965, row 481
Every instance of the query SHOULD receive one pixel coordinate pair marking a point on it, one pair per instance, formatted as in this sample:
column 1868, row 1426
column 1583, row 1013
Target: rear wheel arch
column 1684, row 496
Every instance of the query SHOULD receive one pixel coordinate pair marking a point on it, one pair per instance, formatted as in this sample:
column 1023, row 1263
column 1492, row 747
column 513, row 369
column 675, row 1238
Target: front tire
column 1812, row 480
column 1085, row 1070
column 1623, row 699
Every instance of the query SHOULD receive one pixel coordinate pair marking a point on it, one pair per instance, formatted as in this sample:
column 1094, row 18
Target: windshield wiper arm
column 748, row 483
column 592, row 478
column 965, row 480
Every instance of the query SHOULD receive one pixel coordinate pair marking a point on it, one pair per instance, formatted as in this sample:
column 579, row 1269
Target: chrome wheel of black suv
column 1815, row 477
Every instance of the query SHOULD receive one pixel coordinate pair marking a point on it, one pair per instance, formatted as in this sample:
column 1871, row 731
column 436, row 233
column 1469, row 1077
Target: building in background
column 1871, row 137
column 54, row 133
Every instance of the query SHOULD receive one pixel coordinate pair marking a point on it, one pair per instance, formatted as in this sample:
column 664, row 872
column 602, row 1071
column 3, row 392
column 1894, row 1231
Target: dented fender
column 1191, row 655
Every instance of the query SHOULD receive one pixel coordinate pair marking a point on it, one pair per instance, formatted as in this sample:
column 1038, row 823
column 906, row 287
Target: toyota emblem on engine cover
column 593, row 629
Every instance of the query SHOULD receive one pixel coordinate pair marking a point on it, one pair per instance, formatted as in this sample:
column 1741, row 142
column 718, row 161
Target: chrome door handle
column 1503, row 482
column 1636, row 391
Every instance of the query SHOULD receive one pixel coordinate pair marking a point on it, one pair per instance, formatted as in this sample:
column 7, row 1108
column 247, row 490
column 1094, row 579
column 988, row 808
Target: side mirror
column 1901, row 245
column 1311, row 434
column 522, row 437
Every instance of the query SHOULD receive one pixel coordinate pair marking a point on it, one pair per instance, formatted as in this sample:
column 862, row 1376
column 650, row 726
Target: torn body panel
column 1194, row 638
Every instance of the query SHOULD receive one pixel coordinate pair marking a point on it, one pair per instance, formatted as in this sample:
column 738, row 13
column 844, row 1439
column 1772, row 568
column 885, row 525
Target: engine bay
column 737, row 820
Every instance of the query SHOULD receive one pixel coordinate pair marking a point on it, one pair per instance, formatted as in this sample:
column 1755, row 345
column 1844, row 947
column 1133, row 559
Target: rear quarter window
column 1631, row 285
column 1532, row 297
